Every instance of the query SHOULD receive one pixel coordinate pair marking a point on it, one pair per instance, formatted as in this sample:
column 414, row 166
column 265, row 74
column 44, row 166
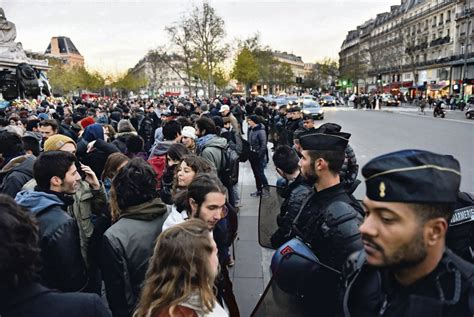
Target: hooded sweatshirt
column 211, row 148
column 63, row 266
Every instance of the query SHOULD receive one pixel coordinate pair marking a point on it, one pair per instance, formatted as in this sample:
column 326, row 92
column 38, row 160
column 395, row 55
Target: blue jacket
column 63, row 266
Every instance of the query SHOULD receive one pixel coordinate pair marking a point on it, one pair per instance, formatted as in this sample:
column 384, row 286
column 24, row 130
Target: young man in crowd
column 48, row 128
column 17, row 167
column 57, row 179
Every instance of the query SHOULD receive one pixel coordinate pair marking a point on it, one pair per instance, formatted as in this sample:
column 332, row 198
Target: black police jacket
column 294, row 195
column 370, row 291
column 329, row 222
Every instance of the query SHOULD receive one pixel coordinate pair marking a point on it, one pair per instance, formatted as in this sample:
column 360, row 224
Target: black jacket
column 371, row 291
column 258, row 140
column 98, row 156
column 294, row 196
column 126, row 249
column 15, row 174
column 39, row 301
column 63, row 265
column 329, row 222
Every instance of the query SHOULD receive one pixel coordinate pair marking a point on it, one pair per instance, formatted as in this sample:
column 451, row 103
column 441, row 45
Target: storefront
column 438, row 90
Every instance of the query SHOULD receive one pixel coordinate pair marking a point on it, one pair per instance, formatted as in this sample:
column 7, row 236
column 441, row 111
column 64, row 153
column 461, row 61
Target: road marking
column 433, row 118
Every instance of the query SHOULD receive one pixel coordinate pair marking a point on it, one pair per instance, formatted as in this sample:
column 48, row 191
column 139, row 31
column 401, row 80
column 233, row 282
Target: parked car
column 469, row 111
column 313, row 108
column 389, row 100
column 327, row 101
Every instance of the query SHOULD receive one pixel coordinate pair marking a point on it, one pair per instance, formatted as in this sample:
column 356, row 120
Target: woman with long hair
column 175, row 154
column 185, row 172
column 113, row 164
column 180, row 277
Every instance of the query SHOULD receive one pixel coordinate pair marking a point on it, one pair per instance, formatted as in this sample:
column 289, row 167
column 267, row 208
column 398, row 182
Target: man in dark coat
column 57, row 178
column 295, row 192
column 258, row 149
column 22, row 295
column 17, row 168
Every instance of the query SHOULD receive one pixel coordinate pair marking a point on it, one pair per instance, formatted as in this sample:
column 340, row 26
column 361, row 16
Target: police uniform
column 328, row 222
column 410, row 176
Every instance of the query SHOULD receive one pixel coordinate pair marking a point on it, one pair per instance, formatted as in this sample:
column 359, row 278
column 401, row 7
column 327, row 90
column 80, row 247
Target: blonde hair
column 178, row 269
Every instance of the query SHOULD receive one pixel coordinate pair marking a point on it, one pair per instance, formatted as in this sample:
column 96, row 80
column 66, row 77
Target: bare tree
column 206, row 30
column 157, row 70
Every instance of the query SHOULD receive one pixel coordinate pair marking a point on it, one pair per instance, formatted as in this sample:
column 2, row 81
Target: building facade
column 63, row 48
column 162, row 80
column 420, row 47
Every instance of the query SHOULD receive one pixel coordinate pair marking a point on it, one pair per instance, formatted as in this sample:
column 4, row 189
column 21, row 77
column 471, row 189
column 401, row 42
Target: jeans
column 258, row 168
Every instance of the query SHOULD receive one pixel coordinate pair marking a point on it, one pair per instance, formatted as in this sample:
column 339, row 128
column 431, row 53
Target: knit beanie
column 57, row 141
column 87, row 121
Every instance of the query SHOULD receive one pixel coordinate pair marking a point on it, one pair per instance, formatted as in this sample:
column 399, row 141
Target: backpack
column 244, row 156
column 460, row 235
column 229, row 171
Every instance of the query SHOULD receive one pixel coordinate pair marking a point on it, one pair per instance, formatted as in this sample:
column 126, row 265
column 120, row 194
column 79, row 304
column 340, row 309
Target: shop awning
column 437, row 86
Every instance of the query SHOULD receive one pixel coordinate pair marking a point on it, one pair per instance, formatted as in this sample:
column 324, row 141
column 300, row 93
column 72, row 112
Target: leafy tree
column 129, row 82
column 245, row 68
column 284, row 75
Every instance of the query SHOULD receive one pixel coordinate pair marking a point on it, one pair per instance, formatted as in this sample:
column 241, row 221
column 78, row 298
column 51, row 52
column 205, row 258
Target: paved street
column 373, row 133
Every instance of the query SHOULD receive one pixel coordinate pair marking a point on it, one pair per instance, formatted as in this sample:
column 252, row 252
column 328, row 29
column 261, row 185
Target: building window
column 441, row 19
column 448, row 16
column 434, row 21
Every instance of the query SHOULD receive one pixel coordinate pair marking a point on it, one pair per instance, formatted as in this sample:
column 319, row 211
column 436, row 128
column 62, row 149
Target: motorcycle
column 439, row 111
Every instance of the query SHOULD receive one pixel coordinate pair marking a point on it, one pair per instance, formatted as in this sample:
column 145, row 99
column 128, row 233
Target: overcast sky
column 114, row 35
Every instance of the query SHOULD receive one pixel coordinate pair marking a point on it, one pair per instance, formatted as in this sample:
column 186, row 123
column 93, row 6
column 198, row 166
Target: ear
column 55, row 181
column 320, row 164
column 435, row 230
column 194, row 206
column 279, row 171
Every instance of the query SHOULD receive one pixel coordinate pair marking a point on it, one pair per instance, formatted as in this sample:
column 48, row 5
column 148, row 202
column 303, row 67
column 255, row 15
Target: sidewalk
column 248, row 273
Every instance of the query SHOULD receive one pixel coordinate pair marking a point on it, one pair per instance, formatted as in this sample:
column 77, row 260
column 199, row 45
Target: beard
column 310, row 175
column 406, row 256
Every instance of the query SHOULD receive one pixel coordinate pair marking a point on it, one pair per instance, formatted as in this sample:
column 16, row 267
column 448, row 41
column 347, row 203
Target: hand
column 90, row 178
column 90, row 146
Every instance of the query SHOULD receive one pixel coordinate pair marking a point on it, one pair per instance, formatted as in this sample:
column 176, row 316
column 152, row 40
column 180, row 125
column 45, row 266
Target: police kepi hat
column 323, row 142
column 413, row 176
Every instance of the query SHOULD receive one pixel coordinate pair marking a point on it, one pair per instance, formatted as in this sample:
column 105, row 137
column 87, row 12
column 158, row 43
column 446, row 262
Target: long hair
column 112, row 164
column 178, row 269
column 196, row 163
column 19, row 246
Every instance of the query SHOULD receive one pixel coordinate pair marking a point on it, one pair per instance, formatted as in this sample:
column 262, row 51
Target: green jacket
column 86, row 202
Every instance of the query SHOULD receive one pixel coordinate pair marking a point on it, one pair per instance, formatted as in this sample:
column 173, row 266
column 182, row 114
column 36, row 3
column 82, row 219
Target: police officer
column 329, row 219
column 294, row 192
column 406, row 269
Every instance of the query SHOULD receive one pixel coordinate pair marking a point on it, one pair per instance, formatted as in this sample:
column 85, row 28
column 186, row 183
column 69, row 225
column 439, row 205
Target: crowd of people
column 137, row 201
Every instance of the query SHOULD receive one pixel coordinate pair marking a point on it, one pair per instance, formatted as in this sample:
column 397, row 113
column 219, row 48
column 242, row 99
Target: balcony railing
column 440, row 41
